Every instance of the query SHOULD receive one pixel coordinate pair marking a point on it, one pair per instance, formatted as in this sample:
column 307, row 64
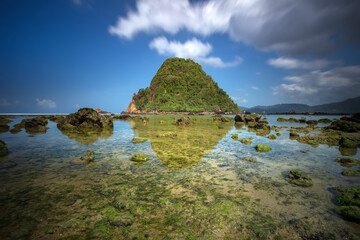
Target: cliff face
column 181, row 86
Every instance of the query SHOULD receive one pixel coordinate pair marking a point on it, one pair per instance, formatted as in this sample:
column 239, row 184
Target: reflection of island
column 89, row 137
column 190, row 144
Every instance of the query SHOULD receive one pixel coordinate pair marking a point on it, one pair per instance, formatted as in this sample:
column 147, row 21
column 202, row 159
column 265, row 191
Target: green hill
column 182, row 86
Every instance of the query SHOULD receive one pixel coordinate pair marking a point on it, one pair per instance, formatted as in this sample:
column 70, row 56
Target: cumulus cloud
column 296, row 27
column 240, row 99
column 46, row 103
column 318, row 86
column 291, row 63
column 194, row 49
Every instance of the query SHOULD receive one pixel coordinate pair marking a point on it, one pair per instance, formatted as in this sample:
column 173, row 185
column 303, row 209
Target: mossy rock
column 117, row 218
column 298, row 178
column 278, row 134
column 280, row 119
column 351, row 213
column 351, row 172
column 137, row 140
column 262, row 148
column 183, row 122
column 347, row 143
column 349, row 197
column 245, row 141
column 272, row 137
column 348, row 162
column 220, row 118
column 344, row 126
column 101, row 230
column 86, row 159
column 294, row 135
column 4, row 128
column 139, row 158
column 250, row 159
column 3, row 148
column 235, row 136
column 347, row 151
column 311, row 122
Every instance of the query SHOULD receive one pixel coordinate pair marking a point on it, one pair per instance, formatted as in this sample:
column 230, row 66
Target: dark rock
column 220, row 118
column 348, row 162
column 347, row 143
column 351, row 172
column 311, row 122
column 262, row 148
column 183, row 122
column 239, row 118
column 3, row 148
column 137, row 140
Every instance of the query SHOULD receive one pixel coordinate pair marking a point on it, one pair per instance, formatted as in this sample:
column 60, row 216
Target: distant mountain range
column 351, row 105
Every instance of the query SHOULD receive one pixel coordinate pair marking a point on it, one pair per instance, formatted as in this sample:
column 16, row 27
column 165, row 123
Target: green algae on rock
column 348, row 162
column 346, row 142
column 298, row 178
column 235, row 136
column 3, row 149
column 324, row 120
column 86, row 159
column 139, row 158
column 220, row 118
column 349, row 199
column 351, row 213
column 246, row 141
column 272, row 137
column 183, row 122
column 262, row 148
column 351, row 172
column 33, row 126
column 137, row 140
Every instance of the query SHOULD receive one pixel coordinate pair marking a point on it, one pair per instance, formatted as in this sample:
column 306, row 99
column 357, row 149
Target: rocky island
column 181, row 86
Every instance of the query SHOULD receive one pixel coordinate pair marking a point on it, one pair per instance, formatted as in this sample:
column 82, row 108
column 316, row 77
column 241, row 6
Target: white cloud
column 46, row 103
column 239, row 99
column 291, row 63
column 76, row 106
column 297, row 27
column 194, row 49
column 319, row 86
column 77, row 2
column 4, row 102
column 255, row 88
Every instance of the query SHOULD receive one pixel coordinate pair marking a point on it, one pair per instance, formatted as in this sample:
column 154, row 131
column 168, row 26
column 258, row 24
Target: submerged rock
column 246, row 141
column 298, row 178
column 32, row 126
column 262, row 148
column 87, row 158
column 122, row 117
column 137, row 140
column 220, row 118
column 347, row 143
column 4, row 127
column 235, row 136
column 139, row 158
column 56, row 119
column 346, row 124
column 348, row 162
column 351, row 213
column 3, row 148
column 351, row 172
column 311, row 122
column 324, row 120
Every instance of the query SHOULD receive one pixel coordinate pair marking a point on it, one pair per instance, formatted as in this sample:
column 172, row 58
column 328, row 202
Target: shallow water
column 194, row 185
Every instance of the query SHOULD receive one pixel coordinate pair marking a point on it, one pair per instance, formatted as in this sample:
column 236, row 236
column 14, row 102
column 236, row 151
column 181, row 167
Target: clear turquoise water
column 193, row 186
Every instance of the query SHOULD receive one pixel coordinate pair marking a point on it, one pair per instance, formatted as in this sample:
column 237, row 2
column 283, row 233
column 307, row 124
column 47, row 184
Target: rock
column 239, row 118
column 137, row 140
column 245, row 141
column 86, row 159
column 347, row 143
column 298, row 178
column 3, row 148
column 4, row 128
column 278, row 134
column 311, row 122
column 85, row 120
column 293, row 135
column 262, row 148
column 220, row 118
column 250, row 159
column 351, row 213
column 56, row 119
column 235, row 136
column 280, row 119
column 302, row 120
column 168, row 134
column 139, row 158
column 324, row 120
column 183, row 122
column 347, row 151
column 351, row 172
column 264, row 121
column 293, row 120
column 344, row 126
column 122, row 117
column 32, row 126
column 272, row 137
column 348, row 162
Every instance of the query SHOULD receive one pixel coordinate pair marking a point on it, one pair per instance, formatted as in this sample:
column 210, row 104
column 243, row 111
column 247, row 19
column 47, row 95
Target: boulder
column 137, row 140
column 262, row 148
column 239, row 118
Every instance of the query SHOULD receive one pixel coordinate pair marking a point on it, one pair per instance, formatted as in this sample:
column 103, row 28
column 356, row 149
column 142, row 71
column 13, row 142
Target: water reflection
column 181, row 147
column 89, row 137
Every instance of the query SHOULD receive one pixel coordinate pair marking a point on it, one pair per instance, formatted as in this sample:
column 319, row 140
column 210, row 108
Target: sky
column 57, row 56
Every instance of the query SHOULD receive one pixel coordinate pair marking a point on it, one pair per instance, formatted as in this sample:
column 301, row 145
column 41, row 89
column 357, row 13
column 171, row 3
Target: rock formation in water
column 181, row 86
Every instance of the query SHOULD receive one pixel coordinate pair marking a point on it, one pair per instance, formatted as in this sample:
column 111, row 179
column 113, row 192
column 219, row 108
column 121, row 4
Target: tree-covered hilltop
column 181, row 86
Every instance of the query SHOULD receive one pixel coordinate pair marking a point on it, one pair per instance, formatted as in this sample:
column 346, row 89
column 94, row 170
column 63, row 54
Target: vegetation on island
column 182, row 86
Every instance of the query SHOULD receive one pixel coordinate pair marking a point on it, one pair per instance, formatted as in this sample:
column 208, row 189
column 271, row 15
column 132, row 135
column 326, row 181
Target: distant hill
column 181, row 86
column 351, row 105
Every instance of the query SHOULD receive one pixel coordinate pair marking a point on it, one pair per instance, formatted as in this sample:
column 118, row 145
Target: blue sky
column 57, row 56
